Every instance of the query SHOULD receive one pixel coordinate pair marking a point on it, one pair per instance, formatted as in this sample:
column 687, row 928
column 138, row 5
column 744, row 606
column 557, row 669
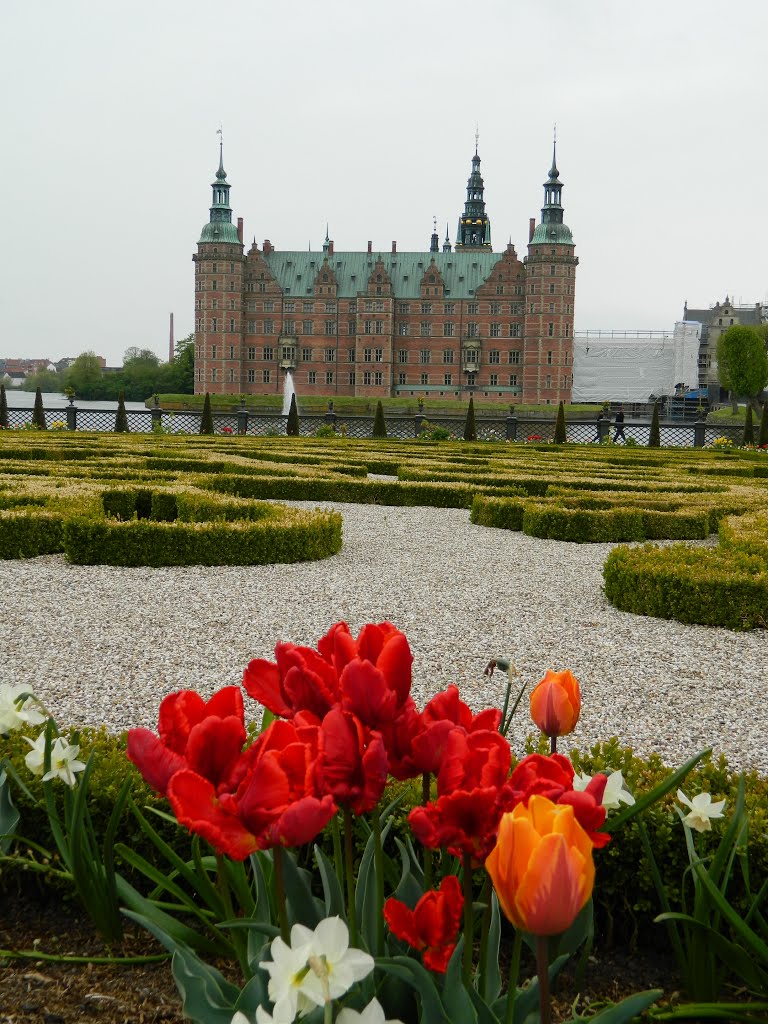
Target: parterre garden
column 331, row 773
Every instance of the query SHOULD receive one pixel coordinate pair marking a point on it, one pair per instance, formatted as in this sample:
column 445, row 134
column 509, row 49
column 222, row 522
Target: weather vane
column 477, row 135
column 434, row 224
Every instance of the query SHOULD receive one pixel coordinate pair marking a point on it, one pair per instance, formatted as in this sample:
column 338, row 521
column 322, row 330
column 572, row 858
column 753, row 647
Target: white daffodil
column 287, row 970
column 262, row 1017
column 614, row 794
column 17, row 710
column 702, row 810
column 64, row 763
column 342, row 966
column 372, row 1014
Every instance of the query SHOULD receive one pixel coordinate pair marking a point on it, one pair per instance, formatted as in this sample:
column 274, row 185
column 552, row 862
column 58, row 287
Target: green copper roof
column 553, row 234
column 219, row 231
column 462, row 272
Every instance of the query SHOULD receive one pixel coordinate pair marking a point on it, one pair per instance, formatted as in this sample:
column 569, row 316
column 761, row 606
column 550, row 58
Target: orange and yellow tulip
column 556, row 703
column 542, row 867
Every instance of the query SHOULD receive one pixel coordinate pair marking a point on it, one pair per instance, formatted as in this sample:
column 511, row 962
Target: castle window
column 448, row 355
column 262, row 287
column 213, row 286
column 307, row 307
column 552, row 288
column 514, row 357
column 269, row 353
column 312, row 377
column 403, row 330
column 251, row 376
column 449, row 329
column 403, row 307
column 378, row 378
column 450, row 308
column 330, row 307
column 401, row 378
column 549, row 358
column 214, row 376
column 352, row 328
column 231, row 351
column 567, row 331
column 379, row 306
column 549, row 380
column 269, row 306
column 251, row 351
column 379, row 326
column 472, row 308
column 306, row 355
column 472, row 330
column 214, row 325
column 379, row 355
column 551, row 330
column 269, row 326
column 231, row 326
column 426, row 307
column 378, row 279
column 306, row 327
column 290, row 307
column 402, row 355
column 329, row 377
column 213, row 268
column 350, row 355
column 494, row 379
column 513, row 380
column 425, row 378
column 214, row 303
column 494, row 356
column 425, row 329
column 431, row 278
column 551, row 307
column 214, row 351
column 368, row 327
column 330, row 326
column 231, row 303
column 324, row 277
column 367, row 377
column 424, row 355
column 495, row 308
column 267, row 375
column 447, row 378
column 552, row 271
column 494, row 331
column 330, row 355
column 367, row 354
column 231, row 376
column 499, row 289
column 352, row 378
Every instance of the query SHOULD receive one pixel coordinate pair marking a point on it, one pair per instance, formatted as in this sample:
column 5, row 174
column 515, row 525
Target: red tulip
column 475, row 759
column 207, row 737
column 464, row 821
column 442, row 714
column 276, row 803
column 432, row 924
column 301, row 680
column 556, row 703
column 552, row 776
column 352, row 761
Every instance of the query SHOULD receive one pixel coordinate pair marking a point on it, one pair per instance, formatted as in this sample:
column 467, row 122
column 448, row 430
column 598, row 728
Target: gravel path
column 104, row 644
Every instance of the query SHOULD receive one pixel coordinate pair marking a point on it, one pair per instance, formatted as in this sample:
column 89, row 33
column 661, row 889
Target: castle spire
column 447, row 242
column 474, row 231
column 552, row 229
column 434, row 244
column 220, row 227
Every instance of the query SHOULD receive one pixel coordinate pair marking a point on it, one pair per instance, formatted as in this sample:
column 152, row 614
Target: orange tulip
column 556, row 703
column 541, row 866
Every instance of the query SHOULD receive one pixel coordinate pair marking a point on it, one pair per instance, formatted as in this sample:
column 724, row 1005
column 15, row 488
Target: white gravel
column 101, row 644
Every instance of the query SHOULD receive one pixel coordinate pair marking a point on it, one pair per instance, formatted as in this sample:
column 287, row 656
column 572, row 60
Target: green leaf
column 9, row 816
column 628, row 1008
column 491, row 983
column 527, row 1001
column 206, row 996
column 747, row 935
column 171, row 933
column 304, row 908
column 411, row 886
column 365, row 896
column 334, row 898
column 455, row 995
column 645, row 801
column 253, row 995
column 412, row 972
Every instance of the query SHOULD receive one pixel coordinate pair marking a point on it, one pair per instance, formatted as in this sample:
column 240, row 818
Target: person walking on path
column 600, row 417
column 619, row 423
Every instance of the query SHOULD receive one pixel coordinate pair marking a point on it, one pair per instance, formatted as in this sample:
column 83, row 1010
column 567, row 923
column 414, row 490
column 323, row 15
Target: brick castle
column 442, row 322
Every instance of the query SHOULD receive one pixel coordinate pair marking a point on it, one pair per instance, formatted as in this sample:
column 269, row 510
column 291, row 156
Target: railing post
column 699, row 433
column 330, row 416
column 71, row 415
column 511, row 428
column 242, row 418
column 604, row 429
column 157, row 416
column 418, row 424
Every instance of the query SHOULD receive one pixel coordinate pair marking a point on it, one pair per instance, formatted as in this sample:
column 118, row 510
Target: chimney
column 394, row 248
column 171, row 345
column 330, row 248
column 370, row 248
column 240, row 229
column 267, row 247
column 531, row 229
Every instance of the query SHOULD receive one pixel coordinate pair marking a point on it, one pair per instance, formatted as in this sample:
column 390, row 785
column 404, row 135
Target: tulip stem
column 485, row 932
column 514, row 975
column 378, row 862
column 226, row 898
column 542, row 969
column 425, row 795
column 338, row 857
column 468, row 919
column 282, row 909
column 350, row 873
column 553, row 744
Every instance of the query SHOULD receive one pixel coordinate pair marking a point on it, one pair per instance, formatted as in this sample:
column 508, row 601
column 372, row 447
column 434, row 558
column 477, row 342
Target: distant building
column 436, row 322
column 714, row 321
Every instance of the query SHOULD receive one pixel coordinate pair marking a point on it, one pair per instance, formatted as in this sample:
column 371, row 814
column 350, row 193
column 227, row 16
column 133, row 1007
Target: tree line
column 141, row 375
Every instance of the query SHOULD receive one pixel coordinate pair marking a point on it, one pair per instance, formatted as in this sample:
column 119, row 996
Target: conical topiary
column 121, row 419
column 379, row 426
column 762, row 437
column 749, row 428
column 3, row 408
column 292, row 426
column 206, row 420
column 560, row 436
column 654, row 437
column 470, row 429
column 38, row 413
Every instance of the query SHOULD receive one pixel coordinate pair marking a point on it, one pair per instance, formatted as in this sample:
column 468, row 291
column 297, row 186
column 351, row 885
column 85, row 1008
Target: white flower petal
column 581, row 781
column 331, row 939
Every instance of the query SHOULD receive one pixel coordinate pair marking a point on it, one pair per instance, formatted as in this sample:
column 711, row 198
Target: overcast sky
column 364, row 116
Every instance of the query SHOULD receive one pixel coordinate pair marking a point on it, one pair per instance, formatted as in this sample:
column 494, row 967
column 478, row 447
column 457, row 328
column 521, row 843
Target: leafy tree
column 121, row 418
column 742, row 363
column 84, row 376
column 762, row 437
column 3, row 408
column 379, row 426
column 206, row 420
column 292, row 426
column 140, row 373
column 47, row 380
column 560, row 434
column 38, row 413
column 654, row 437
column 470, row 429
column 749, row 428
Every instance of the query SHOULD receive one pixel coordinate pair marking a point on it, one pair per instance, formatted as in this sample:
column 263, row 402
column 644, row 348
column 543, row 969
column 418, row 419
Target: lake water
column 26, row 399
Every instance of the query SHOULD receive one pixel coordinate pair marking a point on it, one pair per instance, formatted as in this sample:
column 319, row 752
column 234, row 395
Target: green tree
column 3, row 408
column 762, row 437
column 47, row 380
column 292, row 426
column 206, row 420
column 84, row 376
column 749, row 428
column 560, row 434
column 121, row 418
column 140, row 374
column 470, row 428
column 38, row 413
column 654, row 437
column 379, row 426
column 742, row 363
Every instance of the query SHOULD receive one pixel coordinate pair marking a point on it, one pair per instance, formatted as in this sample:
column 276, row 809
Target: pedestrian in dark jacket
column 619, row 423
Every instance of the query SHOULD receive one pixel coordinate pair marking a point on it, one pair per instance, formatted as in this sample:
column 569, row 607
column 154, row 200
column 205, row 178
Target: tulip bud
column 556, row 703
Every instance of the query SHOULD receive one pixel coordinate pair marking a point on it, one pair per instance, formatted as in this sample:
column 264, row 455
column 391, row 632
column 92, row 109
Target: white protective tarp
column 629, row 366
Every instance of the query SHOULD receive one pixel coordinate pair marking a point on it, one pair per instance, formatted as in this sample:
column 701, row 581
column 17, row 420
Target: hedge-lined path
column 103, row 644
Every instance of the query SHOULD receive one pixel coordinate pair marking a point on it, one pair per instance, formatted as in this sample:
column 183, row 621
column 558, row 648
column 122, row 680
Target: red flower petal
column 402, row 923
column 366, row 694
column 214, row 747
column 195, row 804
column 156, row 762
column 261, row 680
column 179, row 712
